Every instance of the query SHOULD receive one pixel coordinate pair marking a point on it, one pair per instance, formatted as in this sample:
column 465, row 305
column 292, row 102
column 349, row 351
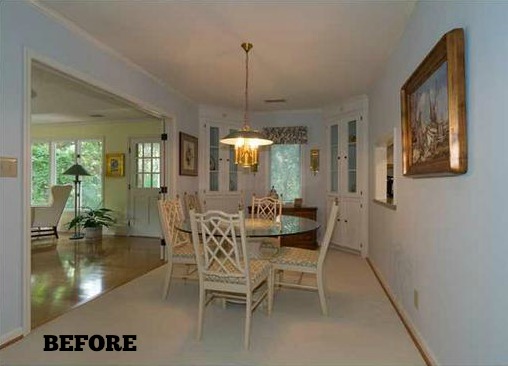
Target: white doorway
column 146, row 174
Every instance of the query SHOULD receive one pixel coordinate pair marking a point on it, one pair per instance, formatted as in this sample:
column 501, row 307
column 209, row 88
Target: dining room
column 376, row 127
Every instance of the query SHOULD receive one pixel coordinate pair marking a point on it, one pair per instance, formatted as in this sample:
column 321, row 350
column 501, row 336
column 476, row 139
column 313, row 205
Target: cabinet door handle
column 345, row 157
column 338, row 220
column 345, row 221
column 220, row 159
column 227, row 159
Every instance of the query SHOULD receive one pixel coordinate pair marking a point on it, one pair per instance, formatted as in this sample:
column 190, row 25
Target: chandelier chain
column 246, row 116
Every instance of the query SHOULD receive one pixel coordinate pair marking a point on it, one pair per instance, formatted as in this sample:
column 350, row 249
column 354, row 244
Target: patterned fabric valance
column 286, row 135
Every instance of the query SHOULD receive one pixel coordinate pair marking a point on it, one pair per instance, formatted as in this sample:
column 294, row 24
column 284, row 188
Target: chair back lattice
column 223, row 244
column 171, row 215
column 191, row 201
column 332, row 219
column 266, row 208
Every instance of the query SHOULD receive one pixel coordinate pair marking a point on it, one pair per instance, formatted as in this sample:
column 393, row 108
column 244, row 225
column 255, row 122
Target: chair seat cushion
column 258, row 269
column 296, row 257
column 185, row 250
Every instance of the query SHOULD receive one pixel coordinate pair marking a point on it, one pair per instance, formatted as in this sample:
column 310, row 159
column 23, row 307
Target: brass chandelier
column 246, row 140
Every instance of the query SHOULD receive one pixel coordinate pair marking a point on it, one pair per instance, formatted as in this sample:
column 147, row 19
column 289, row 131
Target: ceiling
column 58, row 98
column 311, row 53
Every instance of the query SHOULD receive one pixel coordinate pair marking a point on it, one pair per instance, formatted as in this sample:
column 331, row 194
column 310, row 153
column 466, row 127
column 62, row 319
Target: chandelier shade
column 246, row 140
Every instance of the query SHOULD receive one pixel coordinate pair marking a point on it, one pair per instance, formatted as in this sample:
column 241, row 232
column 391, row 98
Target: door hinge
column 361, row 118
column 361, row 205
column 164, row 136
column 130, row 150
column 163, row 190
column 163, row 242
column 129, row 186
column 129, row 223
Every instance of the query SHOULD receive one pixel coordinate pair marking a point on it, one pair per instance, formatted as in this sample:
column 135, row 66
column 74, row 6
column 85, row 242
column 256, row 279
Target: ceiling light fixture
column 246, row 140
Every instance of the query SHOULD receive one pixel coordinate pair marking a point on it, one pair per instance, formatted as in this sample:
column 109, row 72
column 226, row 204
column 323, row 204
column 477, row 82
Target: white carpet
column 362, row 328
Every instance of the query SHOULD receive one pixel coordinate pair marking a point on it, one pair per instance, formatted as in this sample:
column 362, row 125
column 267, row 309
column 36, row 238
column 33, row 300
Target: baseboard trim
column 11, row 337
column 413, row 333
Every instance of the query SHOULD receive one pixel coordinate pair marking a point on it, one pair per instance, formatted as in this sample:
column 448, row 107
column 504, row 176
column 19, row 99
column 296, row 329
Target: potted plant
column 93, row 220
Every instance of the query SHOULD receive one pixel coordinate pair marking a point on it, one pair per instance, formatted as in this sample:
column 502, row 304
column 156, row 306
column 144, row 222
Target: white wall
column 313, row 185
column 22, row 26
column 448, row 237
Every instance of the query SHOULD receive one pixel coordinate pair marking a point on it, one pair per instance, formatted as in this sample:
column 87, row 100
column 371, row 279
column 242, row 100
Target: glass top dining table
column 255, row 228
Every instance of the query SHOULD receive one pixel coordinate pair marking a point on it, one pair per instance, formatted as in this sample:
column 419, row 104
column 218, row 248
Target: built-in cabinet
column 221, row 187
column 347, row 159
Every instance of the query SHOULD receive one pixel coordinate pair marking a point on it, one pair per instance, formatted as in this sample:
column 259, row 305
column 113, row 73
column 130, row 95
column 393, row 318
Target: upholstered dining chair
column 225, row 269
column 179, row 248
column 268, row 208
column 307, row 261
column 45, row 218
column 191, row 201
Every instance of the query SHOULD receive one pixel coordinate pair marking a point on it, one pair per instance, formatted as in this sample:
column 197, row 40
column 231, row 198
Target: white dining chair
column 179, row 248
column 307, row 261
column 224, row 266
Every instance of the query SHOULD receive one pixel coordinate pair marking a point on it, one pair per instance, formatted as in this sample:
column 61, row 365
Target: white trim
column 406, row 319
column 9, row 336
column 73, row 27
column 97, row 84
column 27, row 189
column 31, row 56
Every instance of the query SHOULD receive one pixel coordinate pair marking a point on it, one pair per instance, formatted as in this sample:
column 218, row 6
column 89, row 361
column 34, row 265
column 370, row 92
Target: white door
column 351, row 224
column 145, row 181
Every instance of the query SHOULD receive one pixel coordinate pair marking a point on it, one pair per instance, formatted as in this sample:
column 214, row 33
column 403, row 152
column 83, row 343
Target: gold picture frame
column 115, row 164
column 434, row 112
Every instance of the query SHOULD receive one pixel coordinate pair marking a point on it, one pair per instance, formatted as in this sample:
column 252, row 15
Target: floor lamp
column 77, row 170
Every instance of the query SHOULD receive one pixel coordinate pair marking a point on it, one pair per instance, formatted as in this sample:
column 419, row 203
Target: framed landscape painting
column 434, row 112
column 188, row 155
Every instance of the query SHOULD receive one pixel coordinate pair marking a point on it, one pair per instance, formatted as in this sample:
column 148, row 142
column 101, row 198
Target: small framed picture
column 115, row 165
column 188, row 155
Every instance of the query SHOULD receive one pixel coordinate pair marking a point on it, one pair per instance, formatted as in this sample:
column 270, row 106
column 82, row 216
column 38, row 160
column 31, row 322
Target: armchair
column 45, row 218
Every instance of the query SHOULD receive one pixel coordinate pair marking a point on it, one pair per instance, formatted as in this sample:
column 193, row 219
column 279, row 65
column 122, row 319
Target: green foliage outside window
column 285, row 171
column 64, row 157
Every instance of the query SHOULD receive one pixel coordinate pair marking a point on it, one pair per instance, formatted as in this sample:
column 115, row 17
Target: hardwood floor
column 68, row 273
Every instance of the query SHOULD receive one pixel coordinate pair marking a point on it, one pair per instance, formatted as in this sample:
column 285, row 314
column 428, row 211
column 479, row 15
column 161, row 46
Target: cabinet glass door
column 334, row 156
column 351, row 153
column 214, row 159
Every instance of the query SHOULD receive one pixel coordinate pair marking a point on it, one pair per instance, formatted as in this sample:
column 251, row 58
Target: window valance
column 286, row 135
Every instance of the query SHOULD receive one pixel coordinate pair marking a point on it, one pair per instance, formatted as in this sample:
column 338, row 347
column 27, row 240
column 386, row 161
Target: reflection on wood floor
column 67, row 273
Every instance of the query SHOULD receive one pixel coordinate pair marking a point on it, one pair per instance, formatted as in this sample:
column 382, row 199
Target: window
column 285, row 171
column 51, row 158
column 148, row 162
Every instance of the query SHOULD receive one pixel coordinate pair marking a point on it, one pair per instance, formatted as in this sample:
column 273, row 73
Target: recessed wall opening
column 385, row 169
column 125, row 162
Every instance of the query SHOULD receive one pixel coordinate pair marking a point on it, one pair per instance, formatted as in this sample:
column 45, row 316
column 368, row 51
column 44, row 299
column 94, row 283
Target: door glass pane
column 147, row 165
column 156, row 147
column 147, row 180
column 140, row 165
column 147, row 149
column 156, row 180
column 139, row 148
column 91, row 186
column 41, row 179
column 139, row 180
column 156, row 165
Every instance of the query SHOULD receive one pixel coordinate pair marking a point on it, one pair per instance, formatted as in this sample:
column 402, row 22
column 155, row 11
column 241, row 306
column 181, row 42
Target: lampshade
column 246, row 140
column 76, row 169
